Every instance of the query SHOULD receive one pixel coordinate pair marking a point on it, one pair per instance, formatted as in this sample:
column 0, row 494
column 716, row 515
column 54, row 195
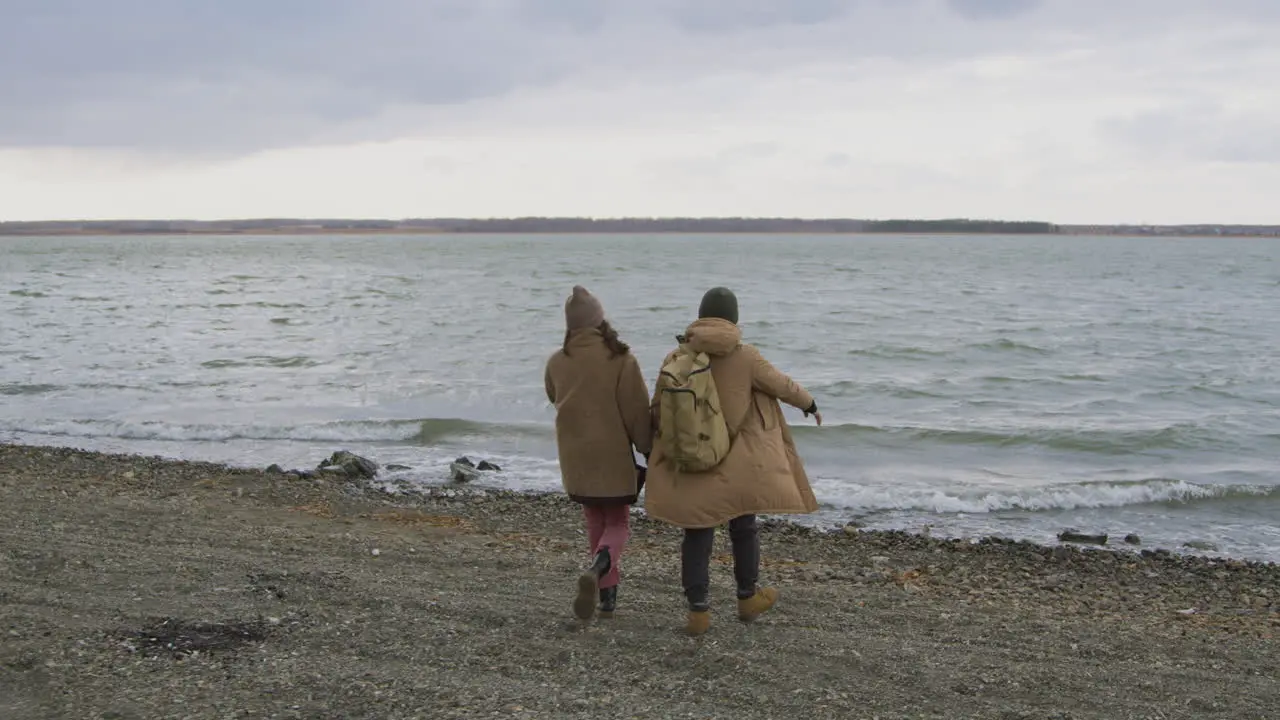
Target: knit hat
column 582, row 310
column 720, row 303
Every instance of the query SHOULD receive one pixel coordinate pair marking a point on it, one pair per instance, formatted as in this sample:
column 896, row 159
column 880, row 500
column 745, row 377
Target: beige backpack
column 691, row 425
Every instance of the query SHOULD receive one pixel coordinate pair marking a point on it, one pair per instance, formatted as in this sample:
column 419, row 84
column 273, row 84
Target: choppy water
column 974, row 385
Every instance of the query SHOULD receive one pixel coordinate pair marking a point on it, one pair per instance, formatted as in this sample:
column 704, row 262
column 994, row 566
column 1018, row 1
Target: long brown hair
column 611, row 340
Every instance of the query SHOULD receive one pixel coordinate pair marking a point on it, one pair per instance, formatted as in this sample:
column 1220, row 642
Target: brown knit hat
column 582, row 310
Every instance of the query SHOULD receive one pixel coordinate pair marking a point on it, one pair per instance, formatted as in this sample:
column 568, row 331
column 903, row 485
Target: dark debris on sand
column 179, row 638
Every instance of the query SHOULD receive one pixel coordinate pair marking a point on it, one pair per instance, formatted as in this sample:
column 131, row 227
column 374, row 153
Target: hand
column 817, row 417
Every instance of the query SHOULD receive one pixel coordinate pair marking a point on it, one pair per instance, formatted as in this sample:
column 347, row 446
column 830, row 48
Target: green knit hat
column 719, row 302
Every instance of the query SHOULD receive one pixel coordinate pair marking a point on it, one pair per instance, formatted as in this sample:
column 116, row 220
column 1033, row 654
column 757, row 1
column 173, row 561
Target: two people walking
column 717, row 452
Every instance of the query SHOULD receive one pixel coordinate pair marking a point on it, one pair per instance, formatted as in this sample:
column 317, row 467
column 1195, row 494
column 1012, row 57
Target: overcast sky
column 1159, row 111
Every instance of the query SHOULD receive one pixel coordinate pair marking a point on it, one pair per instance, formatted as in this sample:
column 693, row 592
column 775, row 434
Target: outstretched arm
column 773, row 382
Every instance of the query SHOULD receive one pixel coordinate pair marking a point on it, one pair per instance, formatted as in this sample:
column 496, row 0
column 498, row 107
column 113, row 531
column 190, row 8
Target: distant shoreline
column 614, row 226
column 740, row 233
column 464, row 233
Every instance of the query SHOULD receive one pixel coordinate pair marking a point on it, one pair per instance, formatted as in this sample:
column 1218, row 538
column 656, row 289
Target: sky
column 1071, row 111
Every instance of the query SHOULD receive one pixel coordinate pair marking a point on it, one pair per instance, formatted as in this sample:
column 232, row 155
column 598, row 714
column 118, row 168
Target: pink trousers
column 608, row 526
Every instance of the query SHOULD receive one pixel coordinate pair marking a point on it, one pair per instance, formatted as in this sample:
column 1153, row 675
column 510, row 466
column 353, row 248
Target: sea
column 970, row 385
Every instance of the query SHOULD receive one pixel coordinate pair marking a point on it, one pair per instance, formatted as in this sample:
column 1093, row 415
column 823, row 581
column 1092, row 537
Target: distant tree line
column 985, row 227
column 629, row 225
column 730, row 225
column 723, row 225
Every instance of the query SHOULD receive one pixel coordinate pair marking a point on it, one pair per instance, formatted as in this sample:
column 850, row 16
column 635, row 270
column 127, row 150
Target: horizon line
column 615, row 219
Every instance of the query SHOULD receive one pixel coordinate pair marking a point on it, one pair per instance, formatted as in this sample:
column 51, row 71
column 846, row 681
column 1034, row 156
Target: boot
column 584, row 605
column 753, row 607
column 698, row 622
column 608, row 601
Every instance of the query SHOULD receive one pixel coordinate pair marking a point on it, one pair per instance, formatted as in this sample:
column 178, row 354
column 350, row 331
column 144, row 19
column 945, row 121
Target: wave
column 262, row 361
column 910, row 352
column 425, row 431
column 1109, row 442
column 1047, row 498
column 853, row 388
column 21, row 389
column 428, row 431
column 1007, row 345
column 436, row 429
column 896, row 352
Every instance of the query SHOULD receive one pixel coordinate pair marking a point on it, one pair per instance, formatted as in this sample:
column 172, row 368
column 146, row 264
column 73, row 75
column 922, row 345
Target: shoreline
column 346, row 232
column 376, row 489
column 829, row 518
column 141, row 587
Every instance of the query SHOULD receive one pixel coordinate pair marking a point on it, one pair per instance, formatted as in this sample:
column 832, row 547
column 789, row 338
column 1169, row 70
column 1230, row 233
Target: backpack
column 691, row 426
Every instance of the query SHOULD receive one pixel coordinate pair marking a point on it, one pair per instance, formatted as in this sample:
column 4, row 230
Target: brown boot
column 699, row 622
column 753, row 607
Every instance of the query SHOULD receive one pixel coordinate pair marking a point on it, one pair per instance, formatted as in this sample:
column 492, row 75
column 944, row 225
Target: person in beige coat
column 762, row 473
column 602, row 413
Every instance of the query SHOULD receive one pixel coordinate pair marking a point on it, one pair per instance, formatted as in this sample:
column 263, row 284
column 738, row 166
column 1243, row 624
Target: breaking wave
column 1067, row 496
column 416, row 431
column 1110, row 442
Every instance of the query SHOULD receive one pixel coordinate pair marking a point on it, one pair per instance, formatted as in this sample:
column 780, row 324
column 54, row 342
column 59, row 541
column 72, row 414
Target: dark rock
column 463, row 472
column 1073, row 536
column 1132, row 539
column 275, row 469
column 396, row 468
column 350, row 464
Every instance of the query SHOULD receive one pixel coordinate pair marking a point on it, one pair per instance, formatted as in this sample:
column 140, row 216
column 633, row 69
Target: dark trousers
column 695, row 560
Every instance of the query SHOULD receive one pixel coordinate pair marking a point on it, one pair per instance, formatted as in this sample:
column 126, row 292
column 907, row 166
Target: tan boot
column 757, row 605
column 699, row 622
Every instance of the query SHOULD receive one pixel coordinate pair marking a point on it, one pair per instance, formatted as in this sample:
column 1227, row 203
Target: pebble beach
column 137, row 587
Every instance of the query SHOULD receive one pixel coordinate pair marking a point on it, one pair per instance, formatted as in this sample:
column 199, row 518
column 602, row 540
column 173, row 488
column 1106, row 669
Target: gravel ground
column 143, row 588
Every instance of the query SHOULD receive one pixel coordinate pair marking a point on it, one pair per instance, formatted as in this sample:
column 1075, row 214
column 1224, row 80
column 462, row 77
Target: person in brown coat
column 602, row 412
column 761, row 473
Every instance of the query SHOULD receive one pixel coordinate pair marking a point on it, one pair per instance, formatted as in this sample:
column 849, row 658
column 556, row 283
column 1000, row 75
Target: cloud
column 992, row 9
column 1040, row 108
column 239, row 75
column 1198, row 131
column 245, row 75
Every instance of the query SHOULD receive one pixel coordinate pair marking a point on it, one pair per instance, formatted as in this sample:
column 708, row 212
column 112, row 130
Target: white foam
column 1047, row 497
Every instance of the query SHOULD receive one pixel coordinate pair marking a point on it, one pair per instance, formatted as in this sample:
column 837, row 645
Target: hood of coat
column 585, row 338
column 713, row 336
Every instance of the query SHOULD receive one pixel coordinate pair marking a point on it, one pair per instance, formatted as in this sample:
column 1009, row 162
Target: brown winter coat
column 602, row 411
column 762, row 472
